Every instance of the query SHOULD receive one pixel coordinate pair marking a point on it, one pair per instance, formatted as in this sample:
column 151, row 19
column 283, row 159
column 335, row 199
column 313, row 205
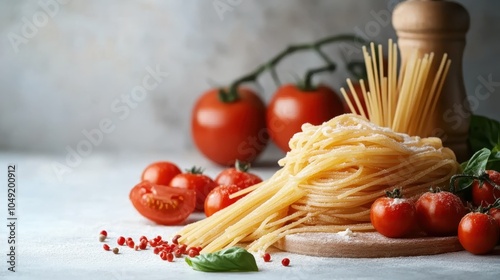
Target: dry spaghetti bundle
column 327, row 183
column 404, row 102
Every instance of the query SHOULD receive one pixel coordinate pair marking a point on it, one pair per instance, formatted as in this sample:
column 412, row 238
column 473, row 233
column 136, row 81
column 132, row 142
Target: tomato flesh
column 162, row 204
column 478, row 233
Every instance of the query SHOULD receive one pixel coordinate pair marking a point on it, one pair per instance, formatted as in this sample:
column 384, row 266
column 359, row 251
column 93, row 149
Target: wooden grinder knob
column 440, row 27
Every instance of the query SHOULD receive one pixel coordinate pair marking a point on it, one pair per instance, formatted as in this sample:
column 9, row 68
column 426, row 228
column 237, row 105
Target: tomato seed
column 116, row 250
column 267, row 257
column 106, row 247
column 103, row 232
column 120, row 240
column 285, row 261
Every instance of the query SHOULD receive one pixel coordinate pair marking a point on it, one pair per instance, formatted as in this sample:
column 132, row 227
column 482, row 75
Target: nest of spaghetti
column 327, row 183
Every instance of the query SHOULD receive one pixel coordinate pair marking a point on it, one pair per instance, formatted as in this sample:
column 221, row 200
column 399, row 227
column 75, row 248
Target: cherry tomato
column 238, row 176
column 218, row 198
column 290, row 108
column 485, row 193
column 160, row 172
column 195, row 180
column 495, row 213
column 478, row 233
column 393, row 217
column 439, row 213
column 162, row 204
column 225, row 131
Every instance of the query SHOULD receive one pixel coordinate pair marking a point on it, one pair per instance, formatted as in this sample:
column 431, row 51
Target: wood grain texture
column 366, row 245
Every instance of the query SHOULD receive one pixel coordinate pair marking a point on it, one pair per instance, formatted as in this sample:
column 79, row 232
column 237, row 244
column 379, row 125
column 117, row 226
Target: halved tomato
column 162, row 204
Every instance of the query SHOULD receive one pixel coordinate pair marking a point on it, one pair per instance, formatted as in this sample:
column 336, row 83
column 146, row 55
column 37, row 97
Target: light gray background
column 65, row 78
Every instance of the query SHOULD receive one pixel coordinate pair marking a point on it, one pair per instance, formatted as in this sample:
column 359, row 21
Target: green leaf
column 483, row 133
column 475, row 166
column 231, row 259
column 494, row 159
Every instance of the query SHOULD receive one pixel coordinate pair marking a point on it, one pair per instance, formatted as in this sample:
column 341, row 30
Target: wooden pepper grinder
column 439, row 26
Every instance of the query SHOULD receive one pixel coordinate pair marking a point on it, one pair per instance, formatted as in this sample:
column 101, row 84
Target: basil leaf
column 475, row 166
column 231, row 259
column 483, row 133
column 494, row 160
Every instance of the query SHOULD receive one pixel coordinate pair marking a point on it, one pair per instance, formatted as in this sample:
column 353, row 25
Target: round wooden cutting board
column 366, row 245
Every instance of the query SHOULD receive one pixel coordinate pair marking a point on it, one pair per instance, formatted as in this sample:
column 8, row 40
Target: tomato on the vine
column 227, row 127
column 485, row 193
column 194, row 179
column 439, row 213
column 218, row 198
column 495, row 213
column 393, row 216
column 291, row 107
column 478, row 233
column 162, row 204
column 238, row 176
column 160, row 172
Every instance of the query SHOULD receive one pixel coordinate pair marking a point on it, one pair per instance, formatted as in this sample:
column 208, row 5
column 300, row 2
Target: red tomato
column 195, row 180
column 478, row 233
column 218, row 198
column 495, row 213
column 160, row 172
column 439, row 213
column 227, row 131
column 393, row 217
column 161, row 204
column 485, row 194
column 238, row 176
column 291, row 107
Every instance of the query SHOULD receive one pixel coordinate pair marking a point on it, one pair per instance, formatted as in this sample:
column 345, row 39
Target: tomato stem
column 228, row 96
column 195, row 170
column 241, row 166
column 271, row 64
column 481, row 178
column 396, row 193
column 307, row 85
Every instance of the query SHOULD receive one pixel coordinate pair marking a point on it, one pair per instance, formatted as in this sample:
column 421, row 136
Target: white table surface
column 59, row 222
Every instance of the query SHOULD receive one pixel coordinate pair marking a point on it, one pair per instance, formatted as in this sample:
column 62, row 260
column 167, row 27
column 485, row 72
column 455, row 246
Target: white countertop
column 59, row 222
